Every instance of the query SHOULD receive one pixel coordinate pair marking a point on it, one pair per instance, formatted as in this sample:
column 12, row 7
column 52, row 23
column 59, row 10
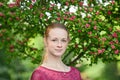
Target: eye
column 64, row 40
column 54, row 40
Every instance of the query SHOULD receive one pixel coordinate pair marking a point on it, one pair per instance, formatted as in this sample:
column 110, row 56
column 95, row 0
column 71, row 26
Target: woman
column 56, row 39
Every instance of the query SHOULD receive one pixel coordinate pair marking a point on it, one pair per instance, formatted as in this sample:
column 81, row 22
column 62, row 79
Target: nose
column 59, row 45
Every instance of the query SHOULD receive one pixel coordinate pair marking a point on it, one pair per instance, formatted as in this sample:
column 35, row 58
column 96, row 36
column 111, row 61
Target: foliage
column 94, row 28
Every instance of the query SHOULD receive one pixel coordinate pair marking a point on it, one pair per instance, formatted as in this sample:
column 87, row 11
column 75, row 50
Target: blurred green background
column 20, row 69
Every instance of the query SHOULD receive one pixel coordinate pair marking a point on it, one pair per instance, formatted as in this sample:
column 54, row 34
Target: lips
column 59, row 50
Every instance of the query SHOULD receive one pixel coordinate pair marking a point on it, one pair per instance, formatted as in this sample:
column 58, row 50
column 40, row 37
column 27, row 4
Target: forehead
column 58, row 32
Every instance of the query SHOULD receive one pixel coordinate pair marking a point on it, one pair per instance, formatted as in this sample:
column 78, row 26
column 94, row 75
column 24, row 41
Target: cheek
column 65, row 45
column 50, row 43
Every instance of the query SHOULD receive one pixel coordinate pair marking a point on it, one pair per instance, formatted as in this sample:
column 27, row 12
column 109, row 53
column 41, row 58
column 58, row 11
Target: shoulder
column 74, row 69
column 76, row 72
column 37, row 74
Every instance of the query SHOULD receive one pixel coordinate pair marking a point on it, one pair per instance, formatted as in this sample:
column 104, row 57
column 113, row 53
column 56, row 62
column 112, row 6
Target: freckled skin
column 57, row 42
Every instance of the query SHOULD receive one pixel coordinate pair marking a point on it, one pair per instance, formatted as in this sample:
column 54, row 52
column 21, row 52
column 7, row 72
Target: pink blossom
column 97, row 13
column 50, row 8
column 112, row 46
column 113, row 2
column 52, row 5
column 41, row 15
column 17, row 18
column 116, row 51
column 90, row 33
column 86, row 9
column 18, row 2
column 67, row 4
column 111, row 42
column 103, row 39
column 12, row 13
column 109, row 12
column 1, row 14
column 67, row 13
column 58, row 18
column 90, row 9
column 88, row 16
column 58, row 14
column 87, row 25
column 72, row 18
column 103, row 50
column 11, row 5
column 72, row 1
column 95, row 27
column 79, row 31
column 81, row 3
column 100, row 51
column 33, row 1
column 1, row 4
column 65, row 17
column 116, row 41
column 115, row 35
column 31, row 6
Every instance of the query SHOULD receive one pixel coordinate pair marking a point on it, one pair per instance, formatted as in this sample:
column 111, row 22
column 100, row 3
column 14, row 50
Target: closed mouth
column 58, row 50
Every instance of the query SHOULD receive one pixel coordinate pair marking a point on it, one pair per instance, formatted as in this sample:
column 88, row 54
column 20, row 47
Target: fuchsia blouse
column 43, row 73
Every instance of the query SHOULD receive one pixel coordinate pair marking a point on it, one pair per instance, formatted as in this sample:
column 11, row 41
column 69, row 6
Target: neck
column 53, row 61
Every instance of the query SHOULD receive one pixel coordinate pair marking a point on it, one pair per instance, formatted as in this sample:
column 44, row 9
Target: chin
column 58, row 54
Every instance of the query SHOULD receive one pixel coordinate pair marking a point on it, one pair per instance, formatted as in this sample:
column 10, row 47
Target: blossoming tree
column 94, row 28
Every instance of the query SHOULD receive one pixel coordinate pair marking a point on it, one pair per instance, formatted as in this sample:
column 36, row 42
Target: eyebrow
column 56, row 38
column 64, row 38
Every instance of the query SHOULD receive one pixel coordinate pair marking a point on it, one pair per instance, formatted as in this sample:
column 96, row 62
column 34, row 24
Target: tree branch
column 79, row 56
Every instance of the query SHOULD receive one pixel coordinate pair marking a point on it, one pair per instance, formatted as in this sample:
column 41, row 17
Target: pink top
column 43, row 73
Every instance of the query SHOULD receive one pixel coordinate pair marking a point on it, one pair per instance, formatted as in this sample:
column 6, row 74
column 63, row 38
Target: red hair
column 54, row 25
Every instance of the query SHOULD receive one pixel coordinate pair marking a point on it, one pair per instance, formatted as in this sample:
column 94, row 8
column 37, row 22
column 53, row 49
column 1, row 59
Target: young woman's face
column 57, row 42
